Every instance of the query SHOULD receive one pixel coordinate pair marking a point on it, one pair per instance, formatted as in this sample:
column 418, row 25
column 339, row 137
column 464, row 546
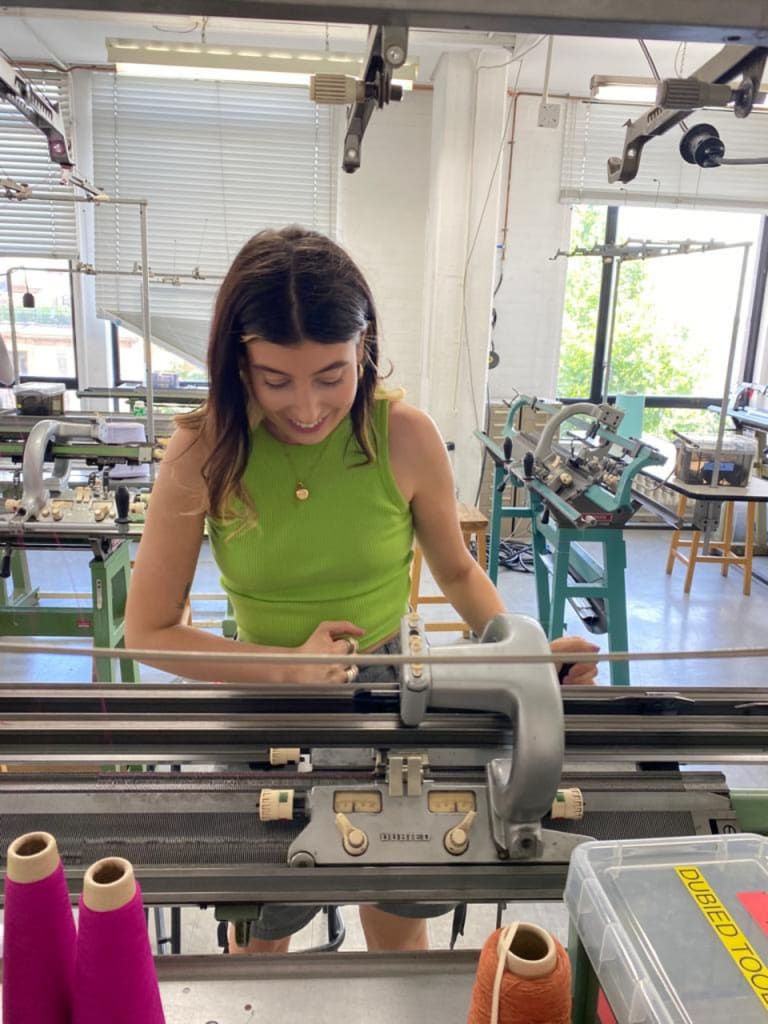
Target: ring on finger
column 352, row 645
column 350, row 674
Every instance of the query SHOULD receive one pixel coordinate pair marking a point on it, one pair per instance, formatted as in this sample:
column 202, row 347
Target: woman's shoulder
column 405, row 417
column 411, row 430
column 186, row 455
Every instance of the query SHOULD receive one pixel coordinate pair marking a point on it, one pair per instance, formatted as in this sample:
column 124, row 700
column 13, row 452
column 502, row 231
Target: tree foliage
column 646, row 357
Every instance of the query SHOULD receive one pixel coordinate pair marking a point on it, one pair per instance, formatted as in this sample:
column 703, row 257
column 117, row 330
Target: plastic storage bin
column 695, row 459
column 676, row 929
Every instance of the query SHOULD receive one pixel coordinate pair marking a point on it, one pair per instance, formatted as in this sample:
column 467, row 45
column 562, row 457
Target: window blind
column 217, row 161
column 595, row 131
column 35, row 228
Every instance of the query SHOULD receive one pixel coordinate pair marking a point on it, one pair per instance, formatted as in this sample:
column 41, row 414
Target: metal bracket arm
column 38, row 110
column 387, row 49
column 723, row 67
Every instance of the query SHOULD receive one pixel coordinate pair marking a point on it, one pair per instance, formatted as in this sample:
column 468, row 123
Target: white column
column 94, row 356
column 469, row 116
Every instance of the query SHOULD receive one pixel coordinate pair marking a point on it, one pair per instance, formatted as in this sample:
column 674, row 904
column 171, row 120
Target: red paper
column 756, row 905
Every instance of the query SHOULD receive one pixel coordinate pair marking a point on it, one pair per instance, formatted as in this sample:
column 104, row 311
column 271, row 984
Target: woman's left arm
column 423, row 469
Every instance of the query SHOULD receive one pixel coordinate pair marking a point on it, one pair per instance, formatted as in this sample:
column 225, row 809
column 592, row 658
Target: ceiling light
column 235, row 64
column 622, row 89
column 627, row 89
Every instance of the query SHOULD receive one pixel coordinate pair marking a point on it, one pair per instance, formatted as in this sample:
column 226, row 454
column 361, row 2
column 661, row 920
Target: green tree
column 647, row 357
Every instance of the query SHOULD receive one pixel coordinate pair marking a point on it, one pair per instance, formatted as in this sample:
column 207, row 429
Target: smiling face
column 304, row 390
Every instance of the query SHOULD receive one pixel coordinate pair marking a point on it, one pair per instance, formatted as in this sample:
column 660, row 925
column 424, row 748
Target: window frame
column 70, row 383
column 755, row 318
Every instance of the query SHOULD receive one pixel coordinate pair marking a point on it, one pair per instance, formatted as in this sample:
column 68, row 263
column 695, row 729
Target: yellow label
column 731, row 936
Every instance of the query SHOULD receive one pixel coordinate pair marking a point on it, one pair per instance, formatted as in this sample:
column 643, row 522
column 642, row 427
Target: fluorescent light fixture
column 150, row 59
column 622, row 89
column 628, row 89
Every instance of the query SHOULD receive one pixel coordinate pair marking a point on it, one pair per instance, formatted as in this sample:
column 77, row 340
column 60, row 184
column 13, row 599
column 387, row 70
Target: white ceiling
column 77, row 37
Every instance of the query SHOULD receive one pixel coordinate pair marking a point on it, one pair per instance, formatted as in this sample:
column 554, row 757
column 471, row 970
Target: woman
column 313, row 482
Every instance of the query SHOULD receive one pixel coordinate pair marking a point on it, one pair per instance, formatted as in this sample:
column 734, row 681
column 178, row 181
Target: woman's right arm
column 161, row 584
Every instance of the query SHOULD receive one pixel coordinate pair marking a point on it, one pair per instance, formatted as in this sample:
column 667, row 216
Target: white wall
column 529, row 303
column 382, row 223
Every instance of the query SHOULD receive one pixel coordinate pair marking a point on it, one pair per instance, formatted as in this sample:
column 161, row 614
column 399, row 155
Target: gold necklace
column 301, row 491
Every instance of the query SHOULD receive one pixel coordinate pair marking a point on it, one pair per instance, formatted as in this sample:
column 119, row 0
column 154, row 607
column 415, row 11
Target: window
column 168, row 368
column 217, row 161
column 674, row 314
column 44, row 332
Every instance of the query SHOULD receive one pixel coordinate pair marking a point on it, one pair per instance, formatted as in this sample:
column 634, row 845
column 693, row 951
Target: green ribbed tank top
column 345, row 553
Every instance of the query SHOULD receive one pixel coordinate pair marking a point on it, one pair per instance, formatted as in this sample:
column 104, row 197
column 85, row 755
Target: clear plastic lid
column 676, row 929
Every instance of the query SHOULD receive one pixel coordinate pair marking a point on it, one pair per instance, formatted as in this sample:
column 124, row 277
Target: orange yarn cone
column 524, row 977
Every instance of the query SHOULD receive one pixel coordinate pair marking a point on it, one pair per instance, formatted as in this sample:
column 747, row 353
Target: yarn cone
column 39, row 939
column 523, row 977
column 115, row 978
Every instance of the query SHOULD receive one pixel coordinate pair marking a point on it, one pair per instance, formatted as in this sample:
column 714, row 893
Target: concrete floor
column 661, row 618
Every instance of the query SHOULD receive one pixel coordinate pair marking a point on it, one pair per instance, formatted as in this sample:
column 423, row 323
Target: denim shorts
column 276, row 920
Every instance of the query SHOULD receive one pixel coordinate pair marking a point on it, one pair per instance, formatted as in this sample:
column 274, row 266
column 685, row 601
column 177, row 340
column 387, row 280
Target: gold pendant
column 301, row 492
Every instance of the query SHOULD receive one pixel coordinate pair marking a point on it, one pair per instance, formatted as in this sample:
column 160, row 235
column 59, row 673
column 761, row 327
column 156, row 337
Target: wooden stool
column 473, row 524
column 727, row 556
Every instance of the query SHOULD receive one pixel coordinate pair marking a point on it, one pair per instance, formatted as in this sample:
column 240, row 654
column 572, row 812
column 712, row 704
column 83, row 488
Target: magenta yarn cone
column 115, row 978
column 39, row 940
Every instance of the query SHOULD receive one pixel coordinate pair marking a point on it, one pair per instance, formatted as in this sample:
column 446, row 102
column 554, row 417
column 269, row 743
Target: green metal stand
column 499, row 512
column 21, row 613
column 606, row 581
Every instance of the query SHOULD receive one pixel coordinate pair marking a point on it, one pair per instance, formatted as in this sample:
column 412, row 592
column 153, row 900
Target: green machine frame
column 22, row 614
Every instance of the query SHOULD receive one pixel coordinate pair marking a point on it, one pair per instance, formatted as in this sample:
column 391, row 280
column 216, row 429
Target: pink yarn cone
column 115, row 978
column 39, row 940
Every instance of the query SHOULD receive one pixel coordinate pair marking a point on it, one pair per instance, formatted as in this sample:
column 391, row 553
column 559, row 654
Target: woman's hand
column 582, row 674
column 328, row 638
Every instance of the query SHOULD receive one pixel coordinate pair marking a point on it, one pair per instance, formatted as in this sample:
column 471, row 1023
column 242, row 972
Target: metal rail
column 207, row 724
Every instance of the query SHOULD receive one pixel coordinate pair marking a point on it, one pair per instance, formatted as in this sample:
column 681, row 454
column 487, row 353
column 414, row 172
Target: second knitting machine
column 579, row 488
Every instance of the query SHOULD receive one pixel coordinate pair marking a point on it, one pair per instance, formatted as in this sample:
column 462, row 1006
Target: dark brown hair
column 284, row 287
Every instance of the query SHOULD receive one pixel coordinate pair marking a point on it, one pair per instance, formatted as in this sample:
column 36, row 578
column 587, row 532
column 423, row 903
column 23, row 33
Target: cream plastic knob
column 456, row 839
column 568, row 803
column 276, row 804
column 32, row 857
column 284, row 755
column 353, row 839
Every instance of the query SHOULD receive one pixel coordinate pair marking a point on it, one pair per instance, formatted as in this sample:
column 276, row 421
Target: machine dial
column 458, row 801
column 354, row 801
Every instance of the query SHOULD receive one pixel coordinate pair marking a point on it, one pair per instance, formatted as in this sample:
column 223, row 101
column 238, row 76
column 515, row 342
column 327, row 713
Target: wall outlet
column 549, row 115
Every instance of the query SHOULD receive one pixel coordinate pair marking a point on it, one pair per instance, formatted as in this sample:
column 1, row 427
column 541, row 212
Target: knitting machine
column 34, row 501
column 584, row 477
column 450, row 786
column 79, row 503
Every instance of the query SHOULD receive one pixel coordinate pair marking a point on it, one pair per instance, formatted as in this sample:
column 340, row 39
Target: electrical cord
column 516, row 555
